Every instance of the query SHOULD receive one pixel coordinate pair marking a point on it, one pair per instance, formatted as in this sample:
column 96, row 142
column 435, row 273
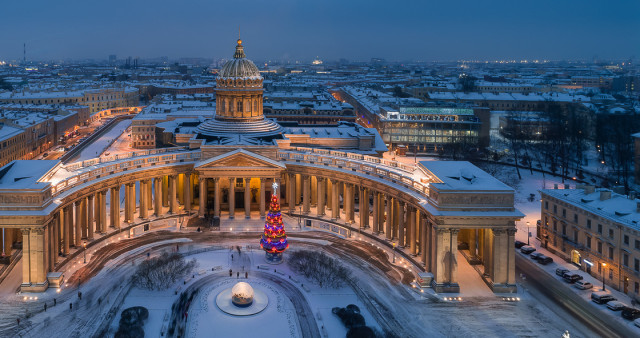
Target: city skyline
column 405, row 32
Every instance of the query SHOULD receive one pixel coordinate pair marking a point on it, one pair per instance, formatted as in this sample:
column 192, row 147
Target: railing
column 360, row 157
column 118, row 157
column 117, row 167
column 357, row 163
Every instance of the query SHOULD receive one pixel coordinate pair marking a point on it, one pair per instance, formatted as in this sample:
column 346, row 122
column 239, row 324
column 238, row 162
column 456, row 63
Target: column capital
column 454, row 231
column 247, row 179
column 215, row 179
column 512, row 231
column 320, row 179
column 498, row 231
column 77, row 203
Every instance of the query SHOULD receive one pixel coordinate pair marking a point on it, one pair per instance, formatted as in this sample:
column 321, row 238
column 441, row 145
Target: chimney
column 589, row 189
column 605, row 194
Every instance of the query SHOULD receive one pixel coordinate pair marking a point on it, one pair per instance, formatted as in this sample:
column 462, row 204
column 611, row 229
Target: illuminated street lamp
column 84, row 245
column 603, row 273
column 528, row 233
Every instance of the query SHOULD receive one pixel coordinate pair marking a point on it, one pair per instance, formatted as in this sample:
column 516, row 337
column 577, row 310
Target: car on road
column 520, row 244
column 561, row 271
column 527, row 249
column 630, row 313
column 544, row 260
column 582, row 285
column 602, row 297
column 615, row 305
column 571, row 277
column 536, row 255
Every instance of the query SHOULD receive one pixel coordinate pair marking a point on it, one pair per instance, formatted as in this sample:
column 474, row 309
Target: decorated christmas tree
column 274, row 240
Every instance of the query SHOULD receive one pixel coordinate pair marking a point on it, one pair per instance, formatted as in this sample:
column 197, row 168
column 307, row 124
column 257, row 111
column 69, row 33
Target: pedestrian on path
column 45, row 307
column 246, row 275
column 70, row 306
column 54, row 302
column 18, row 319
column 238, row 274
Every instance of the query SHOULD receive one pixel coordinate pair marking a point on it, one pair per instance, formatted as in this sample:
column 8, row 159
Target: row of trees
column 161, row 272
column 318, row 268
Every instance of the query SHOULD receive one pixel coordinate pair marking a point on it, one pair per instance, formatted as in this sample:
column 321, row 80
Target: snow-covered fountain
column 242, row 300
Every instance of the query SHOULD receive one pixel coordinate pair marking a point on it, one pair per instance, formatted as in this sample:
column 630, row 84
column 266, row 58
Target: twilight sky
column 300, row 29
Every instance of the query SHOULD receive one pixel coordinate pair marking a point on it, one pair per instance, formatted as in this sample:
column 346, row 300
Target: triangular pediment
column 239, row 159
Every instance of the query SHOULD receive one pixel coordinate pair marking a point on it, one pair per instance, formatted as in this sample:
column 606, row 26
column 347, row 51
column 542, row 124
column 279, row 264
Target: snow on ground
column 96, row 147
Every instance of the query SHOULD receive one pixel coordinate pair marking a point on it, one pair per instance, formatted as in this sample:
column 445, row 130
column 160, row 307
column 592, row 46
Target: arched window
column 240, row 106
column 230, row 106
column 255, row 105
column 222, row 105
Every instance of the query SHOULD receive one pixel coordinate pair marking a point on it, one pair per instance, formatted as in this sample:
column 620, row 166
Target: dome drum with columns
column 239, row 101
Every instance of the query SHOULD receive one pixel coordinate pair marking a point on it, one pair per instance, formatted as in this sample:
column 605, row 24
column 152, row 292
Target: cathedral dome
column 240, row 67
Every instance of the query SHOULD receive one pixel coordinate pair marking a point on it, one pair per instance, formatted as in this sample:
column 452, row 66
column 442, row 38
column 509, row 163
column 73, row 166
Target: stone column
column 128, row 211
column 232, row 197
column 261, row 198
column 424, row 243
column 50, row 246
column 352, row 203
column 202, row 209
column 216, row 196
column 291, row 193
column 247, row 198
column 173, row 203
column 335, row 199
column 165, row 191
column 37, row 256
column 314, row 191
column 389, row 218
column 453, row 257
column 180, row 181
column 187, row 192
column 84, row 217
column 321, row 196
column 115, row 207
column 401, row 224
column 348, row 201
column 376, row 212
column 329, row 193
column 149, row 191
column 473, row 242
column 412, row 231
column 487, row 251
column 56, row 237
column 500, row 256
column 365, row 207
column 143, row 199
column 441, row 249
column 78, row 226
column 103, row 211
column 511, row 257
column 306, row 194
column 157, row 198
column 91, row 215
column 26, row 261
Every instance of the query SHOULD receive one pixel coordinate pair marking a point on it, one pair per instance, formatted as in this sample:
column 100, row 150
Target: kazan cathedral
column 428, row 211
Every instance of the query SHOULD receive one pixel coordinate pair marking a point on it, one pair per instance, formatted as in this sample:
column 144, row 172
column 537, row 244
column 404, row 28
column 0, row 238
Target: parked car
column 527, row 249
column 582, row 285
column 520, row 244
column 571, row 277
column 544, row 260
column 602, row 297
column 615, row 305
column 536, row 255
column 561, row 271
column 630, row 313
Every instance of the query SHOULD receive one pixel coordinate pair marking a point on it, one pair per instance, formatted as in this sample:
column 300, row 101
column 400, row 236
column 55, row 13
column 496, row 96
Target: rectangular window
column 575, row 236
column 600, row 247
column 637, row 244
column 637, row 287
column 626, row 239
column 600, row 228
column 636, row 264
column 546, row 205
column 575, row 218
column 610, row 273
column 555, row 209
column 564, row 213
column 610, row 233
column 555, row 225
column 589, row 242
column 610, row 253
column 625, row 260
column 564, row 229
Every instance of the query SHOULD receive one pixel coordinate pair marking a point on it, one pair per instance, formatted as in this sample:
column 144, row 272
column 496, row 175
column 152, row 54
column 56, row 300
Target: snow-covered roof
column 462, row 175
column 24, row 174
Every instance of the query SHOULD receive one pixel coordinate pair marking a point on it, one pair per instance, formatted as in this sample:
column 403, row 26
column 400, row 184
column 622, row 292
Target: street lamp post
column 84, row 245
column 528, row 233
column 603, row 273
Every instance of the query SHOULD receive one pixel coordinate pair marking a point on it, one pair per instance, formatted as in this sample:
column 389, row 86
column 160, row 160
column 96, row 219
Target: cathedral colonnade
column 234, row 186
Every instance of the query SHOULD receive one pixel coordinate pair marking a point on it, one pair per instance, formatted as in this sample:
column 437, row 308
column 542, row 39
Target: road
column 566, row 304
